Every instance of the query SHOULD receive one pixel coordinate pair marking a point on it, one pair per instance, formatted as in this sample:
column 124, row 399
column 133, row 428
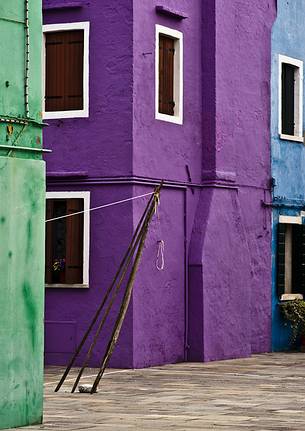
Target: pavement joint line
column 88, row 377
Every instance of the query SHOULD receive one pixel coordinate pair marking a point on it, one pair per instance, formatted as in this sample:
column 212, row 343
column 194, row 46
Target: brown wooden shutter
column 49, row 242
column 166, row 75
column 281, row 235
column 64, row 70
column 298, row 259
column 74, row 242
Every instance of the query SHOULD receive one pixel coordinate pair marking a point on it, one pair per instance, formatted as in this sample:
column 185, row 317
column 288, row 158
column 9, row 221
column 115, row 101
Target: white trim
column 83, row 113
column 292, row 138
column 177, row 118
column 291, row 296
column 86, row 245
column 66, row 286
column 290, row 219
column 298, row 99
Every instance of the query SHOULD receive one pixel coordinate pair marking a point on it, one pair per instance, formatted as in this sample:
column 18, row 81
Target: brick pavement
column 261, row 393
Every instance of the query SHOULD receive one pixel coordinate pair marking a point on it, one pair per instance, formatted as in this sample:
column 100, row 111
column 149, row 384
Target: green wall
column 22, row 213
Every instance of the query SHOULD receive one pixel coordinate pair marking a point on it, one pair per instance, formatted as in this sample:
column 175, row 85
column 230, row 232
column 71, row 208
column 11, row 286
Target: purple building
column 139, row 91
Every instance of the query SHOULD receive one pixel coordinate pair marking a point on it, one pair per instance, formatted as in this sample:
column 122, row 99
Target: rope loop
column 160, row 263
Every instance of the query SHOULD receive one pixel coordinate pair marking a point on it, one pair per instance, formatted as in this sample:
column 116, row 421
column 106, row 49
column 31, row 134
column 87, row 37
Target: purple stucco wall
column 162, row 150
column 230, row 246
column 212, row 301
column 100, row 145
column 84, row 152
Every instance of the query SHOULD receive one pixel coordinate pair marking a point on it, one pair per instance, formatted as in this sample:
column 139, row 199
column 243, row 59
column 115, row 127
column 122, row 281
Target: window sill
column 169, row 118
column 290, row 297
column 66, row 286
column 57, row 115
column 292, row 138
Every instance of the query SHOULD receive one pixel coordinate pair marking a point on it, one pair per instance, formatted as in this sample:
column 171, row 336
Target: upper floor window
column 169, row 75
column 291, row 99
column 66, row 70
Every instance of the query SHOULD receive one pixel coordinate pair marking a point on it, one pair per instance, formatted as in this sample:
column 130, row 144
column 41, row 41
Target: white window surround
column 83, row 113
column 177, row 118
column 289, row 220
column 86, row 242
column 298, row 97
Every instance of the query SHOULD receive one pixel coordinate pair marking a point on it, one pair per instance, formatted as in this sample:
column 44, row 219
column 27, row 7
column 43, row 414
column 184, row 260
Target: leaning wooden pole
column 107, row 311
column 101, row 306
column 127, row 295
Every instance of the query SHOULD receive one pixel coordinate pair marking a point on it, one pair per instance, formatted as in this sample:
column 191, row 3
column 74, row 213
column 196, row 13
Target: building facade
column 22, row 213
column 160, row 90
column 288, row 161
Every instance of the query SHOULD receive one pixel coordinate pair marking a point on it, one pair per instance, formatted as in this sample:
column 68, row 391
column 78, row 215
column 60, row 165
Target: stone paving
column 264, row 392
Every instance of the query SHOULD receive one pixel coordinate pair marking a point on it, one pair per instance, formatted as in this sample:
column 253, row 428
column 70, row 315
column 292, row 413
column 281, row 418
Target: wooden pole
column 99, row 309
column 127, row 295
column 101, row 325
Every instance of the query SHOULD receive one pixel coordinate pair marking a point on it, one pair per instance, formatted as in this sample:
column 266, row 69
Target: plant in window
column 294, row 313
column 59, row 265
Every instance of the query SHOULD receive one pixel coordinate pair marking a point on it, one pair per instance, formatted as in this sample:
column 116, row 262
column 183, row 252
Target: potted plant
column 294, row 312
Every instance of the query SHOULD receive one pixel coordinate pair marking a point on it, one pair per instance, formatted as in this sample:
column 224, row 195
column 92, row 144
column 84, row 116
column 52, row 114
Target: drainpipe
column 27, row 59
column 186, row 283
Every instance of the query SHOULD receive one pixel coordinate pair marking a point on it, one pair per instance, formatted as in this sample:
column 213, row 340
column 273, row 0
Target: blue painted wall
column 288, row 158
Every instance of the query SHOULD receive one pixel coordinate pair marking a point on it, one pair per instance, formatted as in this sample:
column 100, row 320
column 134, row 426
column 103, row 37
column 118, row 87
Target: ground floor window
column 291, row 256
column 67, row 239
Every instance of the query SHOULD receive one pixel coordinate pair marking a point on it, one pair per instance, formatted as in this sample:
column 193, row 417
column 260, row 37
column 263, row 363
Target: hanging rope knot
column 160, row 263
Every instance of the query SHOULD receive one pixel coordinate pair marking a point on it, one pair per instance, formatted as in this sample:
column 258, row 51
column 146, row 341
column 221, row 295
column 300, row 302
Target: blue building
column 288, row 161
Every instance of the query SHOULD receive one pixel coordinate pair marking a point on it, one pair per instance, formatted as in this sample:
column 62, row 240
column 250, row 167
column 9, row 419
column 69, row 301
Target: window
column 291, row 256
column 169, row 75
column 66, row 70
column 291, row 99
column 67, row 239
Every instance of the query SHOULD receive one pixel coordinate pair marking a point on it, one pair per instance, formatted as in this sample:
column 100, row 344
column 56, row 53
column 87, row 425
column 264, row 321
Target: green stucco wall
column 22, row 213
column 21, row 291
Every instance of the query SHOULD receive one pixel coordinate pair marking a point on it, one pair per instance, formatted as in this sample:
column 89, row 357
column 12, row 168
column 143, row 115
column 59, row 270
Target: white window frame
column 82, row 113
column 86, row 234
column 177, row 118
column 298, row 99
column 289, row 221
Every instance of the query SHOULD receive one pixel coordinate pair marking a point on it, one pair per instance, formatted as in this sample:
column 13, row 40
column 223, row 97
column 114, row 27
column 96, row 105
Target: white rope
column 100, row 207
column 160, row 263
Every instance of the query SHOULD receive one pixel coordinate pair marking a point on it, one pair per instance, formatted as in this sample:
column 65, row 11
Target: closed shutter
column 49, row 241
column 74, row 242
column 288, row 84
column 166, row 75
column 298, row 260
column 281, row 259
column 64, row 70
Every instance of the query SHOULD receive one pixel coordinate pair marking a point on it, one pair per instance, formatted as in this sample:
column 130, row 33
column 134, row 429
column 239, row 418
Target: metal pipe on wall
column 27, row 59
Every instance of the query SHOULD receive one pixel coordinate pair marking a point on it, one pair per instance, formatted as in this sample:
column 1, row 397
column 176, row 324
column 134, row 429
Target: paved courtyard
column 264, row 392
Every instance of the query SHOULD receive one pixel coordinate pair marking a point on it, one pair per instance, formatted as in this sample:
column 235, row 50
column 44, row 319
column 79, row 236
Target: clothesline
column 101, row 206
